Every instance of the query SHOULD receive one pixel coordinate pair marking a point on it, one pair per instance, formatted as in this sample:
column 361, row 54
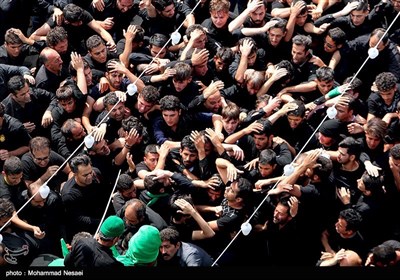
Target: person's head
column 223, row 58
column 144, row 246
column 266, row 162
column 252, row 57
column 99, row 148
column 135, row 212
column 351, row 258
column 124, row 5
column 334, row 40
column 360, row 13
column 296, row 117
column 97, row 48
column 12, row 170
column 151, row 156
column 12, row 43
column 371, row 185
column 377, row 35
column 170, row 107
column 301, row 18
column 355, row 87
column 57, row 39
column 87, row 71
column 375, row 132
column 285, row 64
column 170, row 243
column 113, row 76
column 348, row 223
column 217, row 194
column 66, row 98
column 7, row 210
column 156, row 186
column 182, row 77
column 73, row 130
column 81, row 166
column 257, row 17
column 282, row 210
column 263, row 138
column 230, row 117
column 51, row 60
column 329, row 132
column 113, row 105
column 239, row 192
column 156, row 45
column 130, row 123
column 110, row 230
column 188, row 152
column 325, row 79
column 39, row 148
column 199, row 42
column 126, row 187
column 345, row 110
column 176, row 212
column 386, row 83
column 73, row 14
column 383, row 255
column 165, row 8
column 254, row 82
column 349, row 151
column 19, row 89
column 396, row 5
column 322, row 169
column 301, row 45
column 219, row 12
column 213, row 103
column 394, row 153
column 38, row 200
column 147, row 98
column 277, row 31
column 138, row 40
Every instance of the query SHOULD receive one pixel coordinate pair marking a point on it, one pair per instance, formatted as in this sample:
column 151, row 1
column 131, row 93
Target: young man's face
column 251, row 88
column 88, row 76
column 61, row 47
column 372, row 141
column 168, row 11
column 99, row 53
column 154, row 50
column 124, row 5
column 13, row 179
column 84, row 175
column 281, row 214
column 13, row 50
column 151, row 159
column 262, row 141
column 299, row 54
column 189, row 158
column 230, row 125
column 329, row 45
column 343, row 157
column 275, row 36
column 358, row 17
column 258, row 16
column 115, row 79
column 180, row 85
column 324, row 86
column 200, row 70
column 387, row 95
column 301, row 19
column 23, row 95
column 219, row 64
column 142, row 105
column 220, row 18
column 171, row 118
column 325, row 140
column 294, row 121
column 251, row 59
column 266, row 169
column 68, row 105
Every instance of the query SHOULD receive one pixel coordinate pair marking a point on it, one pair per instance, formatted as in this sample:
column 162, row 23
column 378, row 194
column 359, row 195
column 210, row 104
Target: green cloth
column 113, row 226
column 57, row 262
column 143, row 247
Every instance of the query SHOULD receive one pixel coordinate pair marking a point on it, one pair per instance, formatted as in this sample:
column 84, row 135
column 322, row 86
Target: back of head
column 144, row 246
column 383, row 255
column 111, row 228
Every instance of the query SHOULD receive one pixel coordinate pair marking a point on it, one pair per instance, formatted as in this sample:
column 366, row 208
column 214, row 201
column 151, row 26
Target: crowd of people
column 205, row 133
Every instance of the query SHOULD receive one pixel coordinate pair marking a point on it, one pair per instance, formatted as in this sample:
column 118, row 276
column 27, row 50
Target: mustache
column 165, row 255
